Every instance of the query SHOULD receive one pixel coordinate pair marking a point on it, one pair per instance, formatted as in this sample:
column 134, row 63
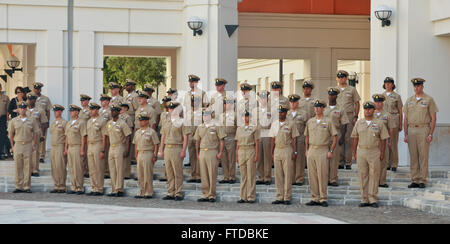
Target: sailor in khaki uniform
column 386, row 118
column 348, row 99
column 306, row 103
column 57, row 158
column 23, row 132
column 284, row 135
column 39, row 115
column 146, row 152
column 420, row 122
column 95, row 130
column 105, row 114
column 153, row 102
column 174, row 140
column 299, row 117
column 43, row 103
column 228, row 120
column 394, row 106
column 218, row 95
column 172, row 94
column 116, row 98
column 124, row 116
column 117, row 135
column 246, row 103
column 75, row 142
column 131, row 98
column 340, row 120
column 264, row 116
column 144, row 107
column 247, row 146
column 209, row 137
column 318, row 134
column 194, row 100
column 369, row 142
column 84, row 115
column 165, row 116
column 276, row 97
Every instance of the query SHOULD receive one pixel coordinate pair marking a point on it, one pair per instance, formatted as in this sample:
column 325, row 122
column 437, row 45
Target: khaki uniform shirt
column 23, row 130
column 84, row 114
column 96, row 129
column 307, row 104
column 216, row 97
column 347, row 99
column 299, row 118
column 284, row 133
column 149, row 110
column 155, row 104
column 58, row 131
column 4, row 104
column 264, row 120
column 320, row 133
column 117, row 132
column 277, row 101
column 247, row 135
column 336, row 116
column 209, row 135
column 132, row 100
column 44, row 103
column 127, row 119
column 117, row 100
column 419, row 111
column 174, row 131
column 75, row 130
column 392, row 105
column 37, row 114
column 370, row 136
column 229, row 122
column 165, row 116
column 105, row 114
column 145, row 140
column 384, row 117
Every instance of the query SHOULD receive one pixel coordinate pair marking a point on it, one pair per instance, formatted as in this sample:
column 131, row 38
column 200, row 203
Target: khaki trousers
column 229, row 158
column 334, row 164
column 283, row 173
column 127, row 162
column 418, row 152
column 145, row 172
column 369, row 173
column 248, row 173
column 105, row 161
column 84, row 161
column 42, row 144
column 35, row 157
column 174, row 169
column 298, row 171
column 264, row 166
column 318, row 173
column 22, row 161
column 208, row 171
column 59, row 166
column 75, row 168
column 346, row 149
column 384, row 165
column 116, row 167
column 195, row 167
column 96, row 166
column 393, row 152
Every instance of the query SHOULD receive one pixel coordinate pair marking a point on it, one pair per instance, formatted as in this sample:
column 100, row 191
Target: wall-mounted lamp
column 383, row 13
column 13, row 62
column 196, row 25
column 353, row 79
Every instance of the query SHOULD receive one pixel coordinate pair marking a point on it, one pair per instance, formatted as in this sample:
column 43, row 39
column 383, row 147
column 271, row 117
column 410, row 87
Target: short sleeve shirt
column 127, row 119
column 145, row 139
column 105, row 114
column 84, row 114
column 132, row 100
column 117, row 100
column 336, row 116
column 38, row 114
column 420, row 111
column 75, row 130
column 117, row 131
column 174, row 132
column 209, row 135
column 320, row 132
column 58, row 131
column 44, row 103
column 393, row 102
column 307, row 104
column 299, row 117
column 23, row 130
column 386, row 118
column 96, row 129
column 247, row 135
column 145, row 109
column 283, row 132
column 370, row 135
column 347, row 99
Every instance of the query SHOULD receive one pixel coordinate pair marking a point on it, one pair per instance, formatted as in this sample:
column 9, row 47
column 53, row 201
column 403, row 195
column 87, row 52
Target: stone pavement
column 32, row 212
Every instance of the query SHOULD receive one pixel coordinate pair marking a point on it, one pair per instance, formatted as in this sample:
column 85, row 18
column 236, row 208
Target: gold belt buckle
column 169, row 146
column 23, row 143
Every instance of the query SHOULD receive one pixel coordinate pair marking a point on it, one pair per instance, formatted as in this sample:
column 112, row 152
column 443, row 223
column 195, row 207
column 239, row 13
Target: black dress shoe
column 364, row 204
column 300, row 183
column 212, row 200
column 2, row 157
column 92, row 193
column 224, row 182
column 251, row 201
column 313, row 203
column 324, row 204
column 422, row 185
column 334, row 184
column 35, row 174
column 61, row 191
column 198, row 181
column 168, row 198
column 17, row 191
column 384, row 186
column 277, row 202
column 148, row 197
column 162, row 180
column 348, row 167
column 179, row 198
column 374, row 205
column 388, row 168
column 260, row 182
column 133, row 162
column 54, row 191
column 268, row 183
column 112, row 194
column 86, row 175
column 107, row 177
column 340, row 167
column 241, row 201
column 127, row 178
column 187, row 165
column 394, row 169
column 80, row 192
column 192, row 181
column 232, row 181
column 99, row 194
column 138, row 197
column 27, row 191
column 41, row 160
column 413, row 185
column 120, row 194
column 287, row 202
column 71, row 192
column 203, row 200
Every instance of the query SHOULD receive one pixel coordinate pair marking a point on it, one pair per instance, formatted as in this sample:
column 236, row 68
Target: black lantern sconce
column 353, row 79
column 13, row 62
column 196, row 24
column 383, row 13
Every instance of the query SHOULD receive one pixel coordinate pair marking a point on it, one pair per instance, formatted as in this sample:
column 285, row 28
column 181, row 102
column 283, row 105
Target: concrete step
column 438, row 207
